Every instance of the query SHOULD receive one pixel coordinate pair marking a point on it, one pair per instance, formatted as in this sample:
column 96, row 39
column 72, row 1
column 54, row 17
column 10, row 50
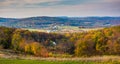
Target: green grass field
column 18, row 61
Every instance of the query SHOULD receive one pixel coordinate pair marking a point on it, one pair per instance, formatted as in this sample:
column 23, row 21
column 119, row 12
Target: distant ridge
column 46, row 21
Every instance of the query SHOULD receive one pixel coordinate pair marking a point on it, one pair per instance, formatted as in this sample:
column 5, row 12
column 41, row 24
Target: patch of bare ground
column 9, row 54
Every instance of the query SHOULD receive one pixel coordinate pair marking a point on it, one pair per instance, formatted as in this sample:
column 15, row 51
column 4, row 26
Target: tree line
column 100, row 42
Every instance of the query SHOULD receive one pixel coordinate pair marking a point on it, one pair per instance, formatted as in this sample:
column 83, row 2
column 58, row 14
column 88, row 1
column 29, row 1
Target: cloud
column 61, row 3
column 22, row 3
column 38, row 1
column 25, row 8
column 41, row 3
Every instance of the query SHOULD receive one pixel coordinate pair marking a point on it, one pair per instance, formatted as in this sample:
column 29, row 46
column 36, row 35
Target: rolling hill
column 45, row 22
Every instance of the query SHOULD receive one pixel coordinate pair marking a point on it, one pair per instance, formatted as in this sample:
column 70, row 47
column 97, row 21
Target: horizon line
column 56, row 16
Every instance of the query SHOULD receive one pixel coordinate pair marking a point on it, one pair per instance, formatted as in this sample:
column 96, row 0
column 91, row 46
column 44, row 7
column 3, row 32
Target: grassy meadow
column 19, row 61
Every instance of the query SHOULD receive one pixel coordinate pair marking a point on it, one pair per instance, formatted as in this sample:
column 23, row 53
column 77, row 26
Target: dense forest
column 100, row 42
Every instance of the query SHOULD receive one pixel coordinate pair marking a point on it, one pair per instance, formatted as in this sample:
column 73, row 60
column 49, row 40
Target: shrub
column 36, row 49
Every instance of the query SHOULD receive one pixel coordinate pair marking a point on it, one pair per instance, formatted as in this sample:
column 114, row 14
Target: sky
column 71, row 8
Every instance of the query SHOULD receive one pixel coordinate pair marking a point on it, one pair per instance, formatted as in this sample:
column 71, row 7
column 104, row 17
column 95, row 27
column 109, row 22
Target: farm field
column 63, row 29
column 19, row 61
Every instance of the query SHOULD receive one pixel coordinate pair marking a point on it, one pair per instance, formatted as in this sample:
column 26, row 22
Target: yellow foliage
column 36, row 49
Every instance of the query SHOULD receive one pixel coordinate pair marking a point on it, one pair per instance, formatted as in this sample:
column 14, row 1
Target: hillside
column 46, row 22
column 99, row 42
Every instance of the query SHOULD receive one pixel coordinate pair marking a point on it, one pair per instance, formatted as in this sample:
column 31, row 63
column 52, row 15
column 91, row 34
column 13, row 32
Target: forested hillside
column 100, row 42
column 46, row 22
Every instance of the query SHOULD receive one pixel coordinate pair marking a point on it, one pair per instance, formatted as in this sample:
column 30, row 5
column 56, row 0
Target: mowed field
column 19, row 61
column 63, row 29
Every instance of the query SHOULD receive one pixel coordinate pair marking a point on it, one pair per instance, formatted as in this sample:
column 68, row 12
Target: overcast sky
column 29, row 8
